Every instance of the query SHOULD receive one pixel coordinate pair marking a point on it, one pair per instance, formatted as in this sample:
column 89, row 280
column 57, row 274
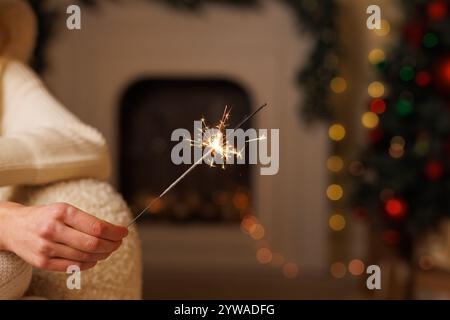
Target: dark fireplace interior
column 149, row 112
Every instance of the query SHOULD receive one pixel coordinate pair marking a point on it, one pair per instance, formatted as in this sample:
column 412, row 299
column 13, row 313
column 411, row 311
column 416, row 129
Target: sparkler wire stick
column 181, row 177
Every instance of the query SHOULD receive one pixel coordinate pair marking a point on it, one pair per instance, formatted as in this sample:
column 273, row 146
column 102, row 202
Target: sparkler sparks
column 217, row 146
column 216, row 142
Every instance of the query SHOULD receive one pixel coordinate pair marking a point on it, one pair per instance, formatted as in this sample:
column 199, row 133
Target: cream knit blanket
column 118, row 277
column 41, row 143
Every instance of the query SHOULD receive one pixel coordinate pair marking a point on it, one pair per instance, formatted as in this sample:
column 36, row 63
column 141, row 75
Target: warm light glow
column 248, row 223
column 277, row 260
column 338, row 270
column 240, row 200
column 369, row 119
column 384, row 30
column 336, row 132
column 398, row 141
column 337, row 222
column 338, row 85
column 356, row 267
column 157, row 206
column 375, row 89
column 376, row 56
column 335, row 163
column 264, row 255
column 290, row 270
column 396, row 150
column 396, row 153
column 257, row 231
column 335, row 192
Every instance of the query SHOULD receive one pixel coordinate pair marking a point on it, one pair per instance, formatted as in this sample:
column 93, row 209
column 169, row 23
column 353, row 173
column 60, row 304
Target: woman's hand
column 55, row 236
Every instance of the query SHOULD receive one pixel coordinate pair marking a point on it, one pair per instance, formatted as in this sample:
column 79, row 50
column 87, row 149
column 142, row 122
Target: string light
column 378, row 106
column 257, row 231
column 399, row 141
column 395, row 208
column 376, row 56
column 241, row 201
column 430, row 40
column 335, row 163
column 369, row 120
column 422, row 145
column 337, row 222
column 338, row 85
column 336, row 132
column 157, row 206
column 277, row 260
column 338, row 270
column 247, row 223
column 437, row 10
column 396, row 153
column 290, row 270
column 407, row 73
column 384, row 30
column 375, row 89
column 396, row 149
column 404, row 107
column 264, row 255
column 423, row 78
column 335, row 192
column 356, row 267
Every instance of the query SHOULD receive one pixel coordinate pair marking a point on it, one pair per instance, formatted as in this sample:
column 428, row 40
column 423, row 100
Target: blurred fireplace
column 150, row 110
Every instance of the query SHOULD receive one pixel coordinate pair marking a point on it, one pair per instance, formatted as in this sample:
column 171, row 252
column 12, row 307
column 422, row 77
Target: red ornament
column 396, row 208
column 437, row 10
column 445, row 71
column 378, row 106
column 423, row 78
column 441, row 75
column 434, row 170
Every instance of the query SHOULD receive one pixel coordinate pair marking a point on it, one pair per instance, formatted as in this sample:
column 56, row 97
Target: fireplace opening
column 150, row 110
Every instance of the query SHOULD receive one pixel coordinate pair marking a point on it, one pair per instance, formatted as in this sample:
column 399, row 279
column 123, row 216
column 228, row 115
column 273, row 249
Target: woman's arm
column 41, row 142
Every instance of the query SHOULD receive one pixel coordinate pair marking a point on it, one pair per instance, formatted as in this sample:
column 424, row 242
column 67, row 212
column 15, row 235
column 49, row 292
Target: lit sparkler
column 215, row 146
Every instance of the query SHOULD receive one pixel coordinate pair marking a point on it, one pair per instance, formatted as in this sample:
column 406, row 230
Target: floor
column 176, row 268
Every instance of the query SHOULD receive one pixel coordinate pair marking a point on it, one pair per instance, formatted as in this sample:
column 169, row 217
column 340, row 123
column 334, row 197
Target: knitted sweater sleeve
column 40, row 141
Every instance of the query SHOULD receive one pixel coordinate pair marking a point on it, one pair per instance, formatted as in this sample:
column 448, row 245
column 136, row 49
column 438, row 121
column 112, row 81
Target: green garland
column 315, row 16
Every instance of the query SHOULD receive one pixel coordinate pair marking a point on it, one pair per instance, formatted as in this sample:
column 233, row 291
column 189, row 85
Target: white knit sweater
column 40, row 141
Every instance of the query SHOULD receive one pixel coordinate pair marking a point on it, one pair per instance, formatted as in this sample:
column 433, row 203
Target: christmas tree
column 405, row 181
